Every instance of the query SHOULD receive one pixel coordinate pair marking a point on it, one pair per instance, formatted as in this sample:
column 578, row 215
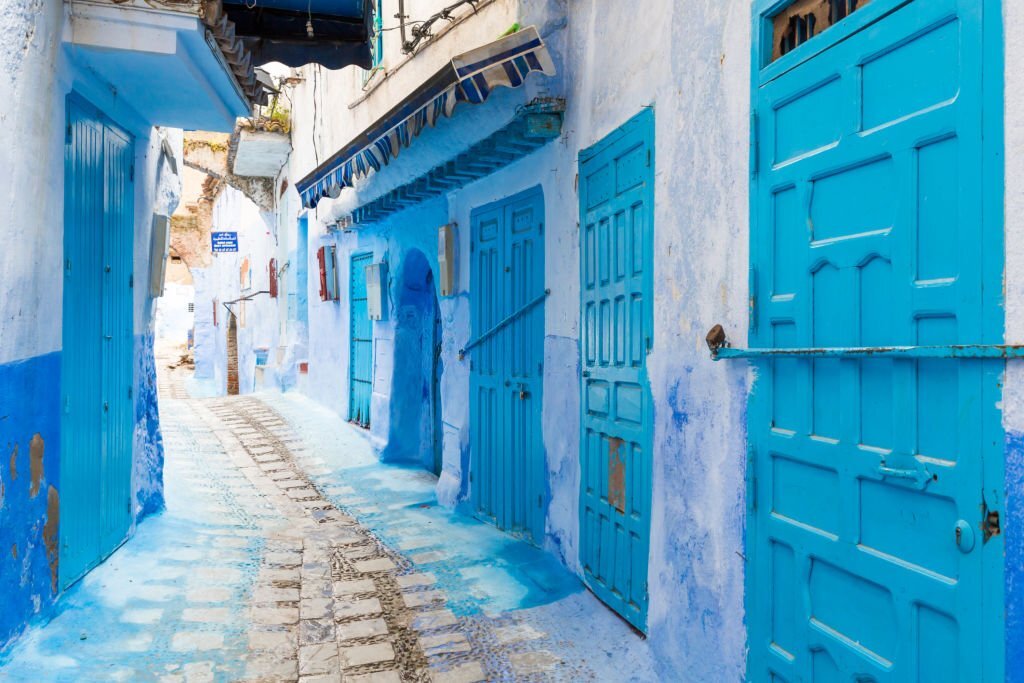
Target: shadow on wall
column 415, row 405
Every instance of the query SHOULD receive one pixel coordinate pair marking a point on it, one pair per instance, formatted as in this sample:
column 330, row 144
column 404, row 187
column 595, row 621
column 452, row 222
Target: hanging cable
column 421, row 30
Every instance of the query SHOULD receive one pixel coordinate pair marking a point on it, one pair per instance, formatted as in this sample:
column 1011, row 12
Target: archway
column 415, row 393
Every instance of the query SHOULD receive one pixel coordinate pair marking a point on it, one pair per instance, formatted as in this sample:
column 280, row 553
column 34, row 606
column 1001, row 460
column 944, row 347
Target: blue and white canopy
column 470, row 77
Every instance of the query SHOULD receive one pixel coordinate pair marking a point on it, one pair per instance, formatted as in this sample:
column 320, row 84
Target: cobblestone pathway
column 288, row 558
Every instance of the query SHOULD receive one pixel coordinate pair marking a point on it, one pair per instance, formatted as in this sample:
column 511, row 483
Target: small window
column 272, row 268
column 377, row 44
column 804, row 19
column 175, row 259
column 326, row 257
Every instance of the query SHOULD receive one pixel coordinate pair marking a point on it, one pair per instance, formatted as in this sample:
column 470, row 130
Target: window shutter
column 273, row 278
column 321, row 260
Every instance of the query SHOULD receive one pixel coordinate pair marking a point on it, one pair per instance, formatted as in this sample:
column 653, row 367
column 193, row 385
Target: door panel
column 361, row 360
column 616, row 201
column 507, row 273
column 98, row 341
column 868, row 232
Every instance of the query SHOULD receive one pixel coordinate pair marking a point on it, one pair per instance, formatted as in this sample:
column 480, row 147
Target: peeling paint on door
column 50, row 534
column 14, row 463
column 616, row 475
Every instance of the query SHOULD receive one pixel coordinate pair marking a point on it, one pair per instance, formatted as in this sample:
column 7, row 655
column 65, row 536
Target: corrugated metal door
column 98, row 341
column 867, row 537
column 506, row 368
column 616, row 204
column 361, row 348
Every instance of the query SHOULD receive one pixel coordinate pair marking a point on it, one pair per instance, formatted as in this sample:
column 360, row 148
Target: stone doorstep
column 349, row 588
column 321, row 658
column 376, row 677
column 357, row 608
column 470, row 672
column 444, row 643
column 313, row 631
column 416, row 580
column 363, row 628
column 361, row 655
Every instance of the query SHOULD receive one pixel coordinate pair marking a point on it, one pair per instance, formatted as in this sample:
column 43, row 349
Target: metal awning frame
column 534, row 125
column 469, row 77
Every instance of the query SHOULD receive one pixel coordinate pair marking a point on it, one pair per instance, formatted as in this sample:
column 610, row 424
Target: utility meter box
column 376, row 290
column 446, row 258
column 158, row 250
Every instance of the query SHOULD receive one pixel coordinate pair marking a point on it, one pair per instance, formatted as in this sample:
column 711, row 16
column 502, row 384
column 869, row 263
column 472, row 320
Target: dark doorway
column 416, row 398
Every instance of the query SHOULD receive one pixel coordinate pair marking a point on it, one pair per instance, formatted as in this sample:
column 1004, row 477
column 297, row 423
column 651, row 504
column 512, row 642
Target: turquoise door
column 96, row 361
column 361, row 347
column 616, row 205
column 871, row 552
column 507, row 471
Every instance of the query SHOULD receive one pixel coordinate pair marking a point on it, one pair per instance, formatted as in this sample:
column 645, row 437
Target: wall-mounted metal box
column 158, row 249
column 376, row 290
column 446, row 258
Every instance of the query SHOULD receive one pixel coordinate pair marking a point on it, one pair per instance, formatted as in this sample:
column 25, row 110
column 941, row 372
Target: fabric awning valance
column 469, row 77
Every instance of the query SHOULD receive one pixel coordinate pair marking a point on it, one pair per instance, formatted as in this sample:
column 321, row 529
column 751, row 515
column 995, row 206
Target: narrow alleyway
column 287, row 552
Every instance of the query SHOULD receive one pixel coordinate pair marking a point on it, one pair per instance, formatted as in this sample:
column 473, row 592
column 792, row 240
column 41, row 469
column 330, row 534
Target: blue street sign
column 224, row 242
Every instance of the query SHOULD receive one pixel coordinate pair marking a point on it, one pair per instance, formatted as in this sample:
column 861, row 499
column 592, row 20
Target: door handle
column 919, row 476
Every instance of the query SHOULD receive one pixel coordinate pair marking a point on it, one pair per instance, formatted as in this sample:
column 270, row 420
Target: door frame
column 75, row 101
column 538, row 482
column 645, row 122
column 353, row 257
column 992, row 660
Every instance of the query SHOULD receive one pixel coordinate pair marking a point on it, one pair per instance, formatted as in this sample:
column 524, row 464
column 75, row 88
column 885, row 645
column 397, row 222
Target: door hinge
column 648, row 157
column 755, row 145
column 131, row 173
column 130, row 392
column 67, row 266
column 131, row 281
column 752, row 477
column 67, row 134
column 540, row 227
column 752, row 320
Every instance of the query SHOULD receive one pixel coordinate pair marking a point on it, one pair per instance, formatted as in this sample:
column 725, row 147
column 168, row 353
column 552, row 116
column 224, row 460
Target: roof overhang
column 165, row 65
column 333, row 33
column 533, row 126
column 469, row 77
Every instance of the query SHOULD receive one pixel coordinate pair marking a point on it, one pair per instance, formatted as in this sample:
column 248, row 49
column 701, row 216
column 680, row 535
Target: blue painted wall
column 39, row 75
column 148, row 466
column 29, row 412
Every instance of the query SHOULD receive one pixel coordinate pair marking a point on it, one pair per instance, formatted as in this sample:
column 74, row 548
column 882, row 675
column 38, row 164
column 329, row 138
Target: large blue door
column 616, row 202
column 96, row 361
column 871, row 478
column 361, row 348
column 506, row 367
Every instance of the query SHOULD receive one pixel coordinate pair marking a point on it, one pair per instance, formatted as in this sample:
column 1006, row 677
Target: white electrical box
column 446, row 258
column 158, row 249
column 376, row 290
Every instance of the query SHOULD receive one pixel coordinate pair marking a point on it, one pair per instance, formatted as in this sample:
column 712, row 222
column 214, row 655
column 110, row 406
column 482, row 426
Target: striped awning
column 469, row 77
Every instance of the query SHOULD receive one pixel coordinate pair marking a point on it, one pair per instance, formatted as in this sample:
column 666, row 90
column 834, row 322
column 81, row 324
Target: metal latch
column 720, row 349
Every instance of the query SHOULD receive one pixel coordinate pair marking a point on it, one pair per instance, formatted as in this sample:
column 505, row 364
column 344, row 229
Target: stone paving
column 300, row 558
